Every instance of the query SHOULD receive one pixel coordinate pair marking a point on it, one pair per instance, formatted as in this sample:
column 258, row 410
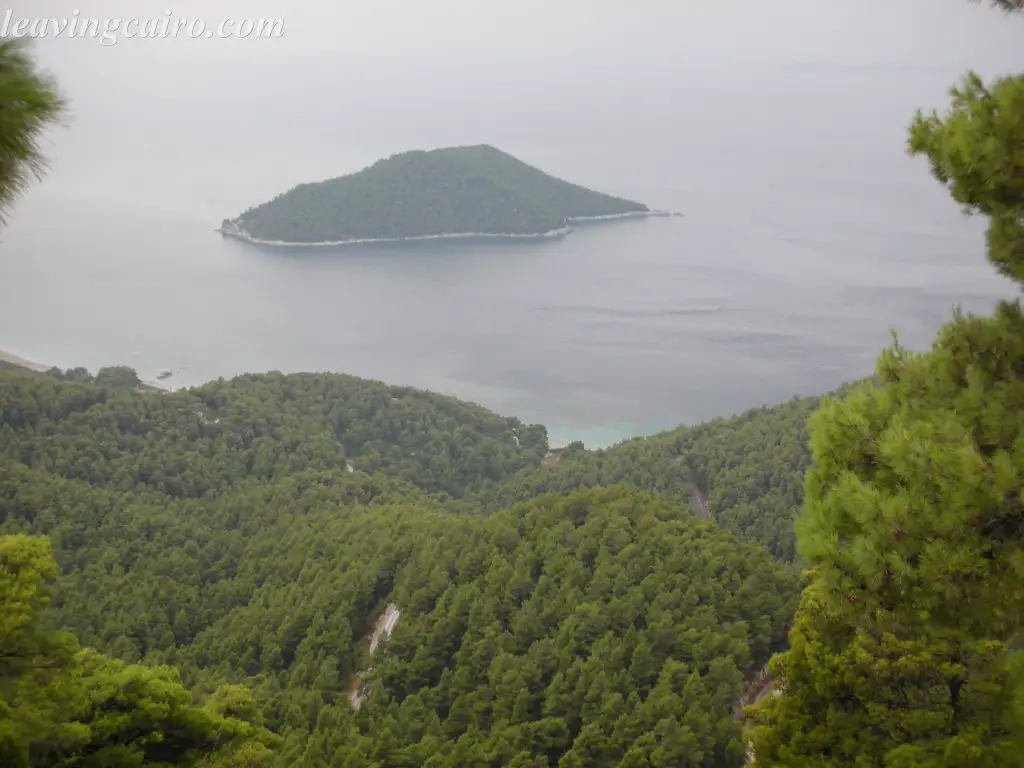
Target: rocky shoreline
column 233, row 229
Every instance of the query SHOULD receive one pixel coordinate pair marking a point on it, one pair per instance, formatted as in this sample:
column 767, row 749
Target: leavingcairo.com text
column 110, row 30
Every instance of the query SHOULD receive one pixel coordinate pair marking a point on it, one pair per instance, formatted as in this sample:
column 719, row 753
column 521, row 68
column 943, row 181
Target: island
column 456, row 192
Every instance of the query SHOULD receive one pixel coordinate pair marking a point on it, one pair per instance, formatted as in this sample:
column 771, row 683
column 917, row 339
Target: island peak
column 452, row 192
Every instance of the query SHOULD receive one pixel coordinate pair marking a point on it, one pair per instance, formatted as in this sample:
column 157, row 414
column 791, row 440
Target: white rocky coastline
column 626, row 215
column 235, row 230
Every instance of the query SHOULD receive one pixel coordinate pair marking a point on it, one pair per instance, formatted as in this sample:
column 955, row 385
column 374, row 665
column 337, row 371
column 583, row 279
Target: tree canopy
column 61, row 705
column 903, row 651
column 187, row 444
column 977, row 151
column 29, row 102
column 183, row 546
column 914, row 495
column 1009, row 5
column 873, row 697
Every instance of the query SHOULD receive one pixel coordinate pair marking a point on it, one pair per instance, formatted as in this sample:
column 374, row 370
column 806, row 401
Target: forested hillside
column 603, row 627
column 251, row 531
column 749, row 468
column 64, row 705
column 252, row 429
column 454, row 190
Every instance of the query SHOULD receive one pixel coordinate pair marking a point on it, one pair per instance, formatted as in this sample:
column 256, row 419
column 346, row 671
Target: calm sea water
column 808, row 235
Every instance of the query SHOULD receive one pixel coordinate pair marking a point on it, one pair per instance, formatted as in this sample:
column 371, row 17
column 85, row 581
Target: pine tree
column 30, row 103
column 62, row 705
column 913, row 508
column 847, row 696
column 913, row 517
column 976, row 151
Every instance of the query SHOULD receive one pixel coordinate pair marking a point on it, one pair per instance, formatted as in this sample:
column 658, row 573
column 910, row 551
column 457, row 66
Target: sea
column 809, row 236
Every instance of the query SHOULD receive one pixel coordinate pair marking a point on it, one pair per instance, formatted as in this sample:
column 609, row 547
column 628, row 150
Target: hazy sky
column 608, row 33
column 395, row 74
column 333, row 50
column 235, row 120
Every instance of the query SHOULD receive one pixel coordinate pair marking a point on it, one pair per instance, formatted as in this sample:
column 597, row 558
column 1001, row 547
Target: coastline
column 12, row 359
column 627, row 215
column 595, row 440
column 241, row 234
column 17, row 361
column 235, row 231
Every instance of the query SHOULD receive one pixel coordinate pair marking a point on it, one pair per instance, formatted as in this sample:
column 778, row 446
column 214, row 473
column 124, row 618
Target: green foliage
column 855, row 697
column 145, row 573
column 455, row 190
column 255, row 429
column 583, row 630
column 118, row 377
column 26, row 572
column 977, row 151
column 750, row 467
column 913, row 522
column 1007, row 5
column 914, row 499
column 914, row 515
column 30, row 103
column 608, row 590
column 71, row 374
column 65, row 706
column 252, row 429
column 610, row 626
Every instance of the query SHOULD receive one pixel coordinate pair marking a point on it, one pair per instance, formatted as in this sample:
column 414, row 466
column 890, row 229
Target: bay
column 808, row 233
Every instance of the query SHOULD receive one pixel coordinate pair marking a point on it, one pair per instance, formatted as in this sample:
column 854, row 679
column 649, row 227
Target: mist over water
column 808, row 232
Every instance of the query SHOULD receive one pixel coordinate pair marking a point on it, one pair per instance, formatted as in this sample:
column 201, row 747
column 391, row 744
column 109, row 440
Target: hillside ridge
column 254, row 532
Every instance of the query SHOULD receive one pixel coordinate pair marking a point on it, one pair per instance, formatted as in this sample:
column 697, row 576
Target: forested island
column 457, row 192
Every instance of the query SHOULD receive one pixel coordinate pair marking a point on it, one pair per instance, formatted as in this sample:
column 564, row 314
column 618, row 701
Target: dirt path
column 761, row 686
column 382, row 629
column 701, row 504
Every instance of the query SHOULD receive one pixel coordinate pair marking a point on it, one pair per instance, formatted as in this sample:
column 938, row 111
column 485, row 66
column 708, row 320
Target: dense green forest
column 230, row 547
column 249, row 532
column 748, row 468
column 62, row 705
column 455, row 190
column 188, row 444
